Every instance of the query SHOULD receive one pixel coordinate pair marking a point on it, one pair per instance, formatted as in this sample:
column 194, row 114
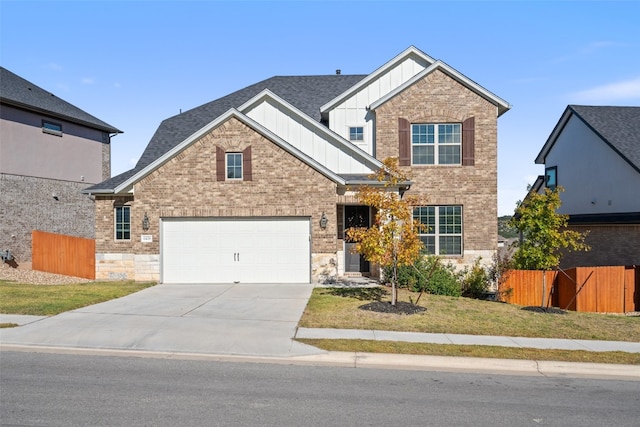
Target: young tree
column 544, row 232
column 393, row 239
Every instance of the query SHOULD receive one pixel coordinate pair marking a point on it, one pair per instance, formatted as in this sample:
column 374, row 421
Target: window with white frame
column 123, row 222
column 441, row 233
column 234, row 165
column 436, row 144
column 356, row 133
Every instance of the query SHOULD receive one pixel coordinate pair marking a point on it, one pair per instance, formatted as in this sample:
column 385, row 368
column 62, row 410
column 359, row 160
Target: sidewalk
column 417, row 337
column 520, row 342
column 301, row 354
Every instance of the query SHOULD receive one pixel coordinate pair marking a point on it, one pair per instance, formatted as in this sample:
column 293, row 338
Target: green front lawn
column 338, row 308
column 49, row 300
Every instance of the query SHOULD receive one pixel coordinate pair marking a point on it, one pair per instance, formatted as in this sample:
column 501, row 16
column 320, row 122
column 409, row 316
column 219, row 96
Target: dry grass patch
column 365, row 346
column 338, row 308
column 49, row 300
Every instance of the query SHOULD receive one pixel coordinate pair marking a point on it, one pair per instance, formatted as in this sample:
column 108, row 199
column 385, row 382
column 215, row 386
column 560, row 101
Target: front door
column 355, row 216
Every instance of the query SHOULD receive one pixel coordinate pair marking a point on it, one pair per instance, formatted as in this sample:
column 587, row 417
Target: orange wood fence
column 588, row 289
column 62, row 254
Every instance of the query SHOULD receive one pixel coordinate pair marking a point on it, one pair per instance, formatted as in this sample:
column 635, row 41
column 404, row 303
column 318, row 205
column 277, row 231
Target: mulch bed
column 549, row 310
column 386, row 307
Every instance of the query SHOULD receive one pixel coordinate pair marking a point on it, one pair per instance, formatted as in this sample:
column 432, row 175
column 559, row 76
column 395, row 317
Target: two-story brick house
column 50, row 151
column 258, row 186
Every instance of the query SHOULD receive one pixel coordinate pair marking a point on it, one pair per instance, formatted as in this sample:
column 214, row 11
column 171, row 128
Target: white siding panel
column 362, row 99
column 311, row 141
column 352, row 111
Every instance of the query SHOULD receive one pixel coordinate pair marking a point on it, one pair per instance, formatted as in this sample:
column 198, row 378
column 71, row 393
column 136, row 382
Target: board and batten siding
column 313, row 142
column 353, row 110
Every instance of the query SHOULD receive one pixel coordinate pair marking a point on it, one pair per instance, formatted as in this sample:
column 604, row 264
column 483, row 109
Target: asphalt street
column 75, row 390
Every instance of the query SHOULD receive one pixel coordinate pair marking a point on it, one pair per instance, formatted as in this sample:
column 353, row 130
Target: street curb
column 377, row 361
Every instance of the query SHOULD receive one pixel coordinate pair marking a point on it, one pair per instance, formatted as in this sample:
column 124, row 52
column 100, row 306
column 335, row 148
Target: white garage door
column 255, row 250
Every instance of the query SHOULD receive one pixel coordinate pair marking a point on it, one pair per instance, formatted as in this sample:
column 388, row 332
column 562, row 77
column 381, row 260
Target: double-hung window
column 436, row 144
column 123, row 222
column 234, row 165
column 441, row 233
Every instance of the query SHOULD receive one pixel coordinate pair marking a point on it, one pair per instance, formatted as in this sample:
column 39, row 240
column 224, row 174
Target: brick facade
column 610, row 245
column 186, row 186
column 440, row 99
column 28, row 203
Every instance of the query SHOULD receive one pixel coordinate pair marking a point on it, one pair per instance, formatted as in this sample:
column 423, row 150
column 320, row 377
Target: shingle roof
column 14, row 90
column 307, row 93
column 617, row 126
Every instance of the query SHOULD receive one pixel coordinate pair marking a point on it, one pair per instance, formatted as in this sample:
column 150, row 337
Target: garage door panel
column 230, row 250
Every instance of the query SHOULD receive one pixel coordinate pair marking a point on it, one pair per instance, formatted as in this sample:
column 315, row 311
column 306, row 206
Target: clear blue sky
column 133, row 64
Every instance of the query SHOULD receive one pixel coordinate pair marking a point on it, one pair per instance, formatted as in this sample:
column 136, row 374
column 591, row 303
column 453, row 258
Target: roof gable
column 16, row 91
column 131, row 177
column 306, row 93
column 411, row 52
column 618, row 127
column 323, row 139
column 502, row 105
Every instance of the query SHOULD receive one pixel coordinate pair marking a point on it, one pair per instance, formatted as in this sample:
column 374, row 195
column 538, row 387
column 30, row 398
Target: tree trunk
column 394, row 280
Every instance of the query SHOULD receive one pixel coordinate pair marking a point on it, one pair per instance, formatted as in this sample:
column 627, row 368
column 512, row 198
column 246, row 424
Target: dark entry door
column 355, row 216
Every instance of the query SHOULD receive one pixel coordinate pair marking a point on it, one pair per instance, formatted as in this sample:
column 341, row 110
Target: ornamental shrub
column 475, row 281
column 430, row 275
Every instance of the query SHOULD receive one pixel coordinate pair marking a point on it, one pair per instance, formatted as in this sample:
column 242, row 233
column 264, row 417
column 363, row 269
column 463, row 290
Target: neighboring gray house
column 594, row 154
column 50, row 151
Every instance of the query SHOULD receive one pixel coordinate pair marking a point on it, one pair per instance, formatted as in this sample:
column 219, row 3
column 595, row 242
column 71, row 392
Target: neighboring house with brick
column 594, row 154
column 50, row 151
column 259, row 185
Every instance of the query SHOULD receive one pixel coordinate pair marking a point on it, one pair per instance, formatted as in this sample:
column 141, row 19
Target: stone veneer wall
column 439, row 99
column 610, row 245
column 186, row 186
column 27, row 204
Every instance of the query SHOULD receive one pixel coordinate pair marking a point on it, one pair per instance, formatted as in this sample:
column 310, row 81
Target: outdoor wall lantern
column 145, row 222
column 323, row 221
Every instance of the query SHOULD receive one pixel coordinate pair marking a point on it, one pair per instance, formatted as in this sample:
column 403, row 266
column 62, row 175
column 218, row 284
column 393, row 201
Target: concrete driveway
column 239, row 319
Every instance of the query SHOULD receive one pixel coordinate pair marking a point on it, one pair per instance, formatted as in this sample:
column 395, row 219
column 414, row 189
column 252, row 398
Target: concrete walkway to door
column 238, row 319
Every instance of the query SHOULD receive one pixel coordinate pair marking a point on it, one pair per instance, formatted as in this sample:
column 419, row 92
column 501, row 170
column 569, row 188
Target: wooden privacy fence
column 62, row 254
column 588, row 289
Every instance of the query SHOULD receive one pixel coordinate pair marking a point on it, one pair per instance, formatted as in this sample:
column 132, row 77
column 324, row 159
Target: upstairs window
column 123, row 222
column 436, row 144
column 551, row 177
column 234, row 165
column 51, row 128
column 442, row 232
column 356, row 133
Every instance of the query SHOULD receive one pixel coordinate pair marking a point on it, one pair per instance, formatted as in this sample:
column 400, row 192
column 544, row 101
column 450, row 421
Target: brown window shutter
column 468, row 142
column 220, row 164
column 246, row 165
column 404, row 142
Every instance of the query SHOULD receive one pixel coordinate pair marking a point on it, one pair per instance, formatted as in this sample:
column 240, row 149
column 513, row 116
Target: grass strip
column 339, row 308
column 8, row 325
column 452, row 350
column 49, row 300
